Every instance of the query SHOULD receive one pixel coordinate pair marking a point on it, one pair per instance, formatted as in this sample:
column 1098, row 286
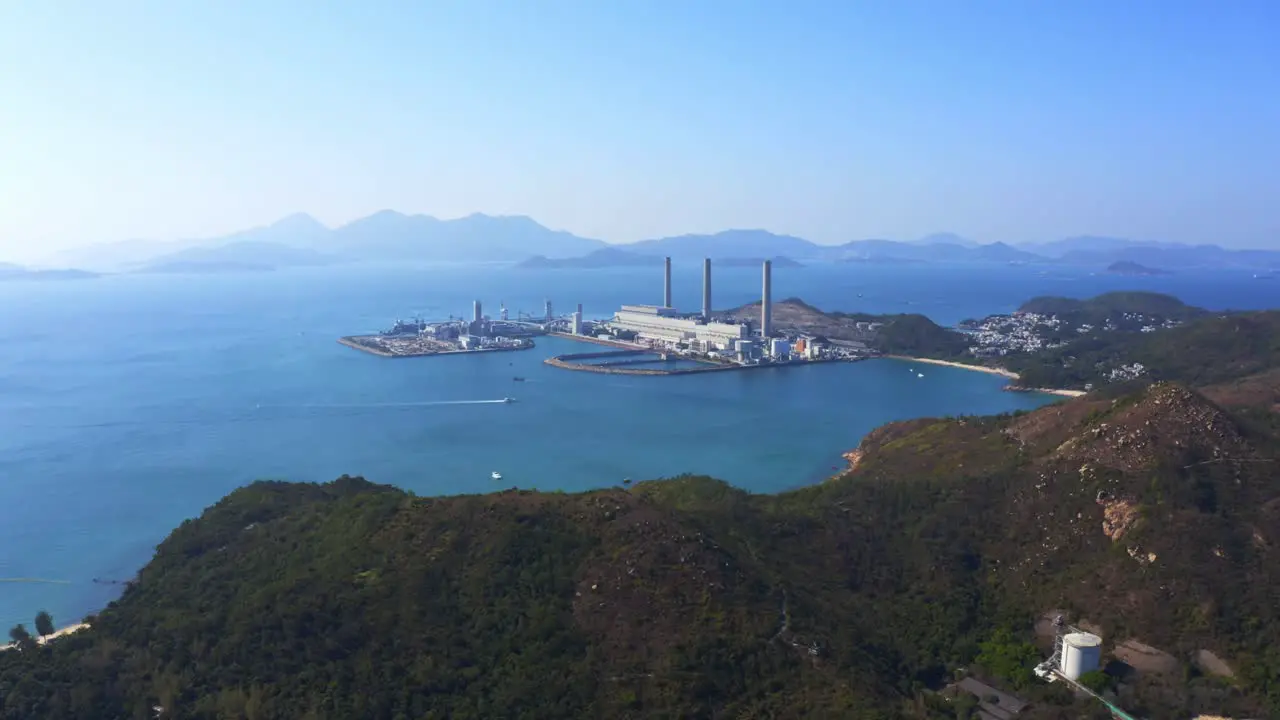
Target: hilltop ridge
column 1152, row 514
column 391, row 235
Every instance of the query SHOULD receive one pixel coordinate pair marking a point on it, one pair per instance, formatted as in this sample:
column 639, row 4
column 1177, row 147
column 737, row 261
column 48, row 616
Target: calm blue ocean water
column 130, row 403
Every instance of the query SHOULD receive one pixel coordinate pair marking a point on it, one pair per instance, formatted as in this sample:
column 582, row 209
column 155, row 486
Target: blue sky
column 625, row 119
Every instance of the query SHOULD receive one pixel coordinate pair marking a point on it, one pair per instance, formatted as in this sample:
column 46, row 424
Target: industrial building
column 665, row 325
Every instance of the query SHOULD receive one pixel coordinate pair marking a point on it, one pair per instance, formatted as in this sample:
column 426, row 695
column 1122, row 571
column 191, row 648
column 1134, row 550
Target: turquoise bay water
column 128, row 404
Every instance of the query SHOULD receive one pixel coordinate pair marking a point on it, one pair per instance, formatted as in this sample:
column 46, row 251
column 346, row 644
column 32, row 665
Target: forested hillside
column 1204, row 351
column 1155, row 516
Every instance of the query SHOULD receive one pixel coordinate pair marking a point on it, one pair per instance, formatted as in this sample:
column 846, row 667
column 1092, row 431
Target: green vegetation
column 689, row 598
column 1097, row 681
column 19, row 635
column 1010, row 657
column 44, row 623
column 1108, row 305
column 1205, row 351
column 1202, row 349
column 913, row 334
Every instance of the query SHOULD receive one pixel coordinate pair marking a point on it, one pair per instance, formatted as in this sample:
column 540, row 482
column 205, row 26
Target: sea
column 130, row 403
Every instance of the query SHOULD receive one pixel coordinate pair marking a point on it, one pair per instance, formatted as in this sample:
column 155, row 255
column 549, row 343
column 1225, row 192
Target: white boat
column 495, row 475
column 508, row 400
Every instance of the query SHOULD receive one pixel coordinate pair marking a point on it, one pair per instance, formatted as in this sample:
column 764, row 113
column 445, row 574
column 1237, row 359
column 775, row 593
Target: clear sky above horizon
column 625, row 119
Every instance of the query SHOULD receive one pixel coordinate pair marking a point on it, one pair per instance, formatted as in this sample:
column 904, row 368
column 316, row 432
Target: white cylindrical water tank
column 1081, row 653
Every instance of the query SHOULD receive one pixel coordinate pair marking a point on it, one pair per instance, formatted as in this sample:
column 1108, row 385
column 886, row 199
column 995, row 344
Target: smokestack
column 706, row 288
column 666, row 283
column 766, row 301
column 476, row 312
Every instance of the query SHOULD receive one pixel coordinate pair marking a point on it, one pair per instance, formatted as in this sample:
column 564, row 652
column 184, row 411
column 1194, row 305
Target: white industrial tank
column 1081, row 653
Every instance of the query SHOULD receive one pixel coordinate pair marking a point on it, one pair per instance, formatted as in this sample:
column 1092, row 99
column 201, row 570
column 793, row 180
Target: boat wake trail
column 35, row 580
column 267, row 413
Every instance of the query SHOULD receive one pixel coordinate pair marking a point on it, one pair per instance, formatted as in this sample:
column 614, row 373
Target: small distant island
column 9, row 272
column 203, row 268
column 1133, row 269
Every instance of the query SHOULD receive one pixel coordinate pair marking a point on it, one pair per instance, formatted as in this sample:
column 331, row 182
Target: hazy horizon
column 636, row 120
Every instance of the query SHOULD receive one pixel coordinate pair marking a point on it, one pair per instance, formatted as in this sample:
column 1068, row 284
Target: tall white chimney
column 706, row 288
column 666, row 283
column 766, row 301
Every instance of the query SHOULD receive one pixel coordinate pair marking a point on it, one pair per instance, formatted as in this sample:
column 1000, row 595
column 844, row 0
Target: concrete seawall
column 623, row 345
column 569, row 362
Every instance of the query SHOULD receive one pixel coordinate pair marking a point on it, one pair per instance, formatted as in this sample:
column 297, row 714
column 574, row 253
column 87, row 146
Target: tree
column 44, row 624
column 19, row 635
column 1096, row 680
column 1006, row 656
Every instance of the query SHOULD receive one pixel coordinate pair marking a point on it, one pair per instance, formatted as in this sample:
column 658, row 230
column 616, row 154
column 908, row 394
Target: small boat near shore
column 495, row 475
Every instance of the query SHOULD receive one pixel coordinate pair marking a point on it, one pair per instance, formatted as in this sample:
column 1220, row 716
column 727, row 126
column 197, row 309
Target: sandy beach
column 1056, row 391
column 54, row 636
column 991, row 371
column 963, row 366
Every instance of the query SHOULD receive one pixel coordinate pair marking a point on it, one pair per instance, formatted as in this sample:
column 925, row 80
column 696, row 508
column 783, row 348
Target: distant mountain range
column 10, row 272
column 611, row 257
column 388, row 235
column 238, row 256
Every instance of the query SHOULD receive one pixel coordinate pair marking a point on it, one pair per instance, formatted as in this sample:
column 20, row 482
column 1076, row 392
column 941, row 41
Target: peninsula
column 1058, row 345
column 927, row 580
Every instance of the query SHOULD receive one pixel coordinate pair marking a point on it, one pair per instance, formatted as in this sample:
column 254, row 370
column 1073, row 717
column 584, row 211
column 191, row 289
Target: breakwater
column 599, row 341
column 626, row 358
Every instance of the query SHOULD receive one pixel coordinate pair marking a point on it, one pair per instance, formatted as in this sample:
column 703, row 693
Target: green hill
column 1204, row 351
column 1114, row 303
column 1155, row 516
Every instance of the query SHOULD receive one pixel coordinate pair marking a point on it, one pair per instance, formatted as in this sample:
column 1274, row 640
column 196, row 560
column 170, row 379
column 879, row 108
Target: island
column 1127, row 267
column 11, row 273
